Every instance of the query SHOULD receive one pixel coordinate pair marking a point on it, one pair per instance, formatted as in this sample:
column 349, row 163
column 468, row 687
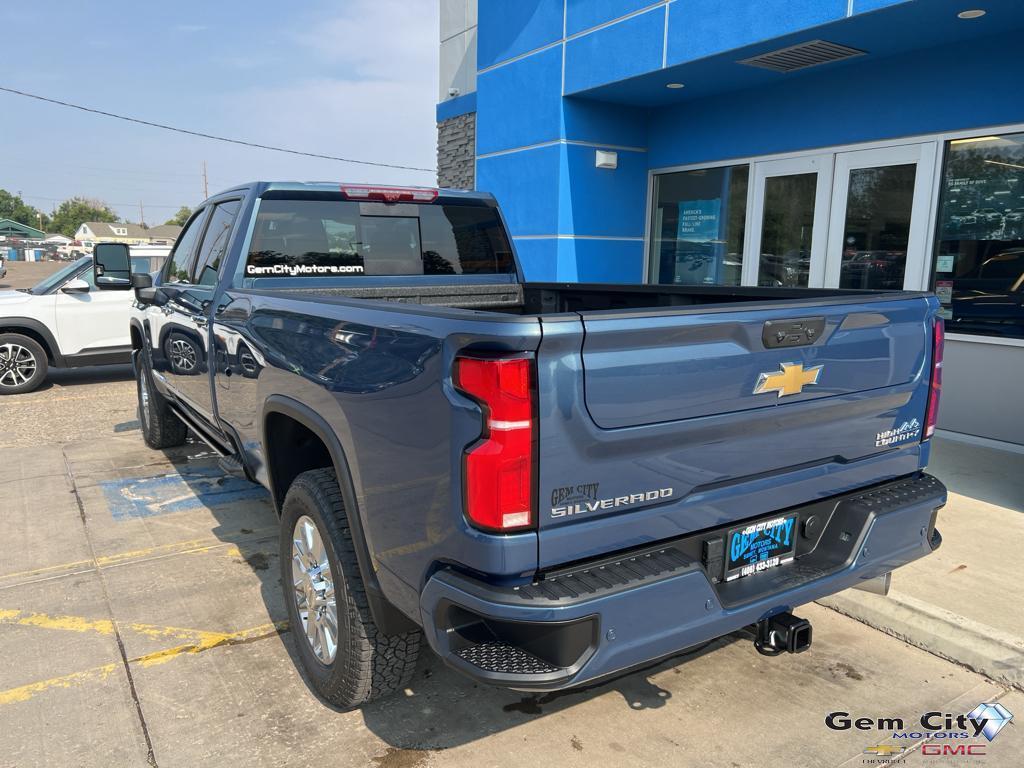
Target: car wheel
column 23, row 364
column 182, row 355
column 346, row 658
column 161, row 427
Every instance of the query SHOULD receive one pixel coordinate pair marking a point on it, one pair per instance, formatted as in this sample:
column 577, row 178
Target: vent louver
column 802, row 56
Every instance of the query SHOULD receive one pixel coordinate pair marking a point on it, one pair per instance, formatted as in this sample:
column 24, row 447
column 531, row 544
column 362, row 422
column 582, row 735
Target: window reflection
column 787, row 230
column 979, row 266
column 698, row 227
column 877, row 229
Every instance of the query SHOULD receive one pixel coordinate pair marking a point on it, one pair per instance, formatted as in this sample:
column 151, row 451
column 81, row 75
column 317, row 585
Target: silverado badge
column 789, row 381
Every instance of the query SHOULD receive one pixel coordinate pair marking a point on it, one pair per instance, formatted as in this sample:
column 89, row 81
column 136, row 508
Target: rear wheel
column 347, row 659
column 161, row 427
column 23, row 364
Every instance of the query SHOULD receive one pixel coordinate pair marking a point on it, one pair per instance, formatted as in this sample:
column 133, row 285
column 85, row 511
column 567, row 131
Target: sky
column 351, row 78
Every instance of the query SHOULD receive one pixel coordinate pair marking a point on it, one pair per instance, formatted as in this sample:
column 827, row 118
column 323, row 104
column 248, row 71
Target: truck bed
column 557, row 298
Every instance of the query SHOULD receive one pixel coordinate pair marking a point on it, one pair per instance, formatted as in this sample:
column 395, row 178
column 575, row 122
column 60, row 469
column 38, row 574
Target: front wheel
column 161, row 427
column 347, row 659
column 23, row 364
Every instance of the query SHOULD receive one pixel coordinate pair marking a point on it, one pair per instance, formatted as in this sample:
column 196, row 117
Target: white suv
column 62, row 322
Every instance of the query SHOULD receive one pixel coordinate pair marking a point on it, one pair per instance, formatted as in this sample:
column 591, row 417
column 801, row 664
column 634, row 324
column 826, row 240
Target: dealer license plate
column 759, row 546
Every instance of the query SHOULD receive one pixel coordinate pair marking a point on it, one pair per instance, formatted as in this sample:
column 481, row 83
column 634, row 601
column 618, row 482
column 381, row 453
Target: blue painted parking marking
column 194, row 488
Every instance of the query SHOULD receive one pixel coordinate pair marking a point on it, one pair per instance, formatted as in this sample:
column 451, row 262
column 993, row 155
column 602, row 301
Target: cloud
column 387, row 39
column 371, row 96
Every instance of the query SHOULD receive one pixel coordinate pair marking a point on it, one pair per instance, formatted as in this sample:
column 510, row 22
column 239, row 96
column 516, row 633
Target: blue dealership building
column 821, row 143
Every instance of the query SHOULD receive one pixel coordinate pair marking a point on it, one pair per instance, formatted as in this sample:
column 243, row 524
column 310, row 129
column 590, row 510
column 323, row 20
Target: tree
column 181, row 216
column 71, row 214
column 14, row 208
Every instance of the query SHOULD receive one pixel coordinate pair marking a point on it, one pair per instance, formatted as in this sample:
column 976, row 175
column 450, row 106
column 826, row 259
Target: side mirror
column 112, row 266
column 77, row 285
column 142, row 280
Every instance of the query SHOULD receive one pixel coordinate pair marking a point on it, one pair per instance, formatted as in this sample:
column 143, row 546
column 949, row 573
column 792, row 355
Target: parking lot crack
column 150, row 754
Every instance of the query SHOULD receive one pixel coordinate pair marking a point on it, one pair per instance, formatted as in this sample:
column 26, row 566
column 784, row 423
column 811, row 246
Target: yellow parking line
column 103, row 626
column 26, row 692
column 195, row 546
column 204, row 641
column 208, row 640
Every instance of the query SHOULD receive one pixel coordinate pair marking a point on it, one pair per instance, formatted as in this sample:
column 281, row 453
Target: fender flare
column 31, row 324
column 389, row 619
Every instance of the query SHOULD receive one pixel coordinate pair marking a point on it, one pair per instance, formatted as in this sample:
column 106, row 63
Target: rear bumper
column 602, row 617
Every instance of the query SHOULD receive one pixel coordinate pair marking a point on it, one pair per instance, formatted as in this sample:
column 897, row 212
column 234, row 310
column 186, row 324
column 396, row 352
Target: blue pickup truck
column 551, row 483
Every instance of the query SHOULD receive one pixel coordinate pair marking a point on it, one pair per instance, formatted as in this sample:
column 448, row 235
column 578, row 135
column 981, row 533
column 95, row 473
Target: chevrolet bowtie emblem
column 789, row 381
column 885, row 750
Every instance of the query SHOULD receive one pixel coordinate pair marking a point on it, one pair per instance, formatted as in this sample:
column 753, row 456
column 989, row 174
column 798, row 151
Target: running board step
column 231, row 465
column 506, row 659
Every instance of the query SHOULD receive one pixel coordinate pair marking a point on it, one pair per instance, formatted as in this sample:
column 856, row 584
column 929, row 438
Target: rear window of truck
column 344, row 238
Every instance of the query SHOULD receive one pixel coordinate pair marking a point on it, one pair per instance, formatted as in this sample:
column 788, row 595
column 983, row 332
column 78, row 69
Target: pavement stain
column 258, row 561
column 395, row 757
column 847, row 670
column 576, row 743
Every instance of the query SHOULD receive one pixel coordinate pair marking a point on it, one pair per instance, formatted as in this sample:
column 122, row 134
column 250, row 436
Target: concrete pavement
column 142, row 623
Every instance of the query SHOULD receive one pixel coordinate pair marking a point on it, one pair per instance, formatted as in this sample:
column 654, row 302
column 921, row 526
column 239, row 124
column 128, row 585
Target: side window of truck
column 179, row 264
column 215, row 242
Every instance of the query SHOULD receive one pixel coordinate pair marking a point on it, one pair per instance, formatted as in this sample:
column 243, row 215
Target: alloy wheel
column 183, row 355
column 17, row 365
column 313, row 590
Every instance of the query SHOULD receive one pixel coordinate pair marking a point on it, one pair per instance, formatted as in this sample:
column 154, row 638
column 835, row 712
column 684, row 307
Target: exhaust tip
column 879, row 585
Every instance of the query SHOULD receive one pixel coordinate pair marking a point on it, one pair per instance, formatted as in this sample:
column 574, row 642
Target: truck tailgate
column 684, row 420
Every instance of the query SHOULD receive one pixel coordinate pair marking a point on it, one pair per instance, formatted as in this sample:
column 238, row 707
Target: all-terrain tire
column 19, row 354
column 368, row 664
column 161, row 427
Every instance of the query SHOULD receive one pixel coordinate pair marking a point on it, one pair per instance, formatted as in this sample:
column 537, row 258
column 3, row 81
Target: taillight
column 498, row 468
column 935, row 388
column 390, row 194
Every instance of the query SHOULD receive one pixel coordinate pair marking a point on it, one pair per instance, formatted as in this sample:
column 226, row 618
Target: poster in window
column 983, row 194
column 699, row 220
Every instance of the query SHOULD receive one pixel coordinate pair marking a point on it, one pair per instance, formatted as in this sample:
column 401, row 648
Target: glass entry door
column 788, row 223
column 878, row 228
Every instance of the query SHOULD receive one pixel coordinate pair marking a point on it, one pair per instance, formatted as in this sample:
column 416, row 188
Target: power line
column 132, row 205
column 208, row 135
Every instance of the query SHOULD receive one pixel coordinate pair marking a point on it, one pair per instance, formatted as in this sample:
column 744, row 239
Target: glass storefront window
column 698, row 226
column 877, row 231
column 979, row 265
column 787, row 230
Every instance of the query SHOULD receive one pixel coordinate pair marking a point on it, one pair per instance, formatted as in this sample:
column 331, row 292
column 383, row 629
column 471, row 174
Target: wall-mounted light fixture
column 606, row 159
column 973, row 13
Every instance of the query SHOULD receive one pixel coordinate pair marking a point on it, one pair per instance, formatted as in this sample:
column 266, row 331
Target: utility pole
column 206, row 191
column 142, row 216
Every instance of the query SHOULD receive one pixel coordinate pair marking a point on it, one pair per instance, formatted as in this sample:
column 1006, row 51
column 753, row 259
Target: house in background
column 119, row 232
column 859, row 144
column 165, row 234
column 10, row 228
